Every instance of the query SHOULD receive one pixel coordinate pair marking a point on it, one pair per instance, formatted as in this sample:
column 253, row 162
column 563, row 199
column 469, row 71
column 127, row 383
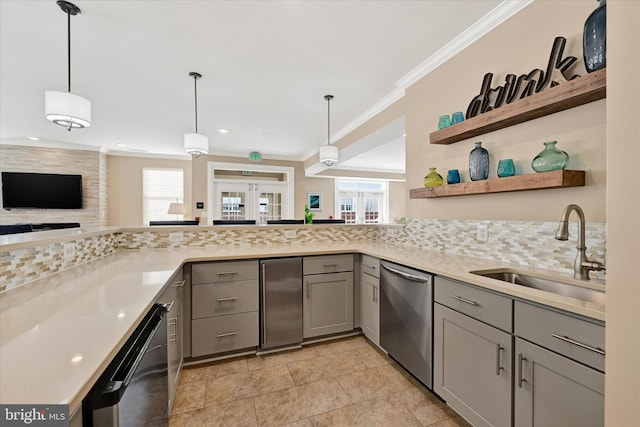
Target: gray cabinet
column 472, row 367
column 327, row 305
column 370, row 298
column 224, row 307
column 559, row 363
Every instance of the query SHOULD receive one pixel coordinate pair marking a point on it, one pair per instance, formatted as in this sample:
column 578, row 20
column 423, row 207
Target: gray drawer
column 327, row 264
column 482, row 305
column 539, row 326
column 371, row 266
column 216, row 299
column 216, row 272
column 224, row 333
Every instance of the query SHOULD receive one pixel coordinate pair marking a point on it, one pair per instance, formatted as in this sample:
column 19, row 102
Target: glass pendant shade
column 329, row 155
column 67, row 109
column 196, row 144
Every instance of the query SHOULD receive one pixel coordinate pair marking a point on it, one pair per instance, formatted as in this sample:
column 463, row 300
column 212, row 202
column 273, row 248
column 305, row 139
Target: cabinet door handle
column 464, row 300
column 229, row 334
column 499, row 349
column 520, row 376
column 579, row 344
column 179, row 284
column 308, row 289
column 375, row 291
column 227, row 299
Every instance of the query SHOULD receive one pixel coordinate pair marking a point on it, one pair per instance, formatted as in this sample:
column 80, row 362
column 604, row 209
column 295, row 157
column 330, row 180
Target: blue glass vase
column 478, row 163
column 594, row 46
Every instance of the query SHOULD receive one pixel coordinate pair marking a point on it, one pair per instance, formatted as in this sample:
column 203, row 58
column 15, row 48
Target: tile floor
column 346, row 382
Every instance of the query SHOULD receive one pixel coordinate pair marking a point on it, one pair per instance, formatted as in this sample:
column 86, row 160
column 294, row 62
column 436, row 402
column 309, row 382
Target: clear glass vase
column 550, row 159
column 433, row 178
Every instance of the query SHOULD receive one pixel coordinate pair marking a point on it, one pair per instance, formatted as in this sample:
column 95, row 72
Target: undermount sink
column 544, row 284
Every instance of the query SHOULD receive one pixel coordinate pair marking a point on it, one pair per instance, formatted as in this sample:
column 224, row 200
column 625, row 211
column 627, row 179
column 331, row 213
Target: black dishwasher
column 133, row 390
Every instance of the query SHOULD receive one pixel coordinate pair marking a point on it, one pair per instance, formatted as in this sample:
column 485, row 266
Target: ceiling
column 266, row 67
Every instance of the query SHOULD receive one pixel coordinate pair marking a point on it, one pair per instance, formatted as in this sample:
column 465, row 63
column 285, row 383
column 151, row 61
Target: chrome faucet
column 582, row 265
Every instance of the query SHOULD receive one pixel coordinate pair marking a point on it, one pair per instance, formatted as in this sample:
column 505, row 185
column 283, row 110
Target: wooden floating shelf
column 533, row 181
column 581, row 90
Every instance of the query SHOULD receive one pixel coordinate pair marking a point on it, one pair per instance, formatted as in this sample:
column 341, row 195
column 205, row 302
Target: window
column 160, row 188
column 362, row 202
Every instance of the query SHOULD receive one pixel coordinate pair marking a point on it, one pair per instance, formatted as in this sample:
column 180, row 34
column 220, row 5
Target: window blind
column 161, row 187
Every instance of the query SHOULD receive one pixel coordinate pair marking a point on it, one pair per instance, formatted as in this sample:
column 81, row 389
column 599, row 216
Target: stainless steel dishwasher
column 406, row 319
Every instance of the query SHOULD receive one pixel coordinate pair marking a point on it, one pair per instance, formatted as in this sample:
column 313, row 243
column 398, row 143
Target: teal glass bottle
column 550, row 159
column 433, row 178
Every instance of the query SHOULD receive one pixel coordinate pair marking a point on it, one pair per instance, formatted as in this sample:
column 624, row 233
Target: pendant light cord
column 328, row 121
column 195, row 90
column 69, row 49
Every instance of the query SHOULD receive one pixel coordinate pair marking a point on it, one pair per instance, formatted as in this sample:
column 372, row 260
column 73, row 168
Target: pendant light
column 65, row 108
column 195, row 143
column 328, row 153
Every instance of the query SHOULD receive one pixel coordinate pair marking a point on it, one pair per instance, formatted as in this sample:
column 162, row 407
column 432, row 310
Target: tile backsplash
column 525, row 243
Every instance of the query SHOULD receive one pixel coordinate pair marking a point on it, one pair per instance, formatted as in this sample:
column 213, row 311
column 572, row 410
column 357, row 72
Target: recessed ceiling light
column 77, row 359
column 34, row 138
column 223, row 130
column 404, row 134
column 120, row 144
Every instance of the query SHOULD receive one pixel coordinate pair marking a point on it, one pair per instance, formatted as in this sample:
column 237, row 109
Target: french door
column 261, row 201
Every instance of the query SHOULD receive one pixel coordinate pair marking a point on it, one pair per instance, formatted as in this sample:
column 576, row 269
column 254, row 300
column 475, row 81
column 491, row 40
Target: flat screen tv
column 41, row 190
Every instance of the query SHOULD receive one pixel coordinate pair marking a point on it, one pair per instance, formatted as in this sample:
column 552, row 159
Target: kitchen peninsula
column 73, row 322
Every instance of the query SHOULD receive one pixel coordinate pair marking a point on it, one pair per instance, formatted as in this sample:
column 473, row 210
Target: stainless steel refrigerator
column 281, row 302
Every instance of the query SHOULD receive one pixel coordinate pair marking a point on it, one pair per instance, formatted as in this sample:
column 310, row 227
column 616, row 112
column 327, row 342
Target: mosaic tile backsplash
column 22, row 266
column 526, row 243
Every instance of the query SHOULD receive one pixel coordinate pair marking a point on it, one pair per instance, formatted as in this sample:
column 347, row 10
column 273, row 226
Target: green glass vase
column 550, row 159
column 433, row 178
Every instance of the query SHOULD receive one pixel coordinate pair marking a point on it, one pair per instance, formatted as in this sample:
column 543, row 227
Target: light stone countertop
column 59, row 333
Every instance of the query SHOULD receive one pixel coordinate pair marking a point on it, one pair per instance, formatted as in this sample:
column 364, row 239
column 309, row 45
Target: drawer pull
column 520, row 376
column 373, row 267
column 579, row 344
column 464, row 300
column 179, row 284
column 226, row 273
column 229, row 334
column 227, row 299
column 499, row 368
column 329, row 265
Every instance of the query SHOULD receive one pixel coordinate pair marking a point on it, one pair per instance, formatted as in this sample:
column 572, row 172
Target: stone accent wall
column 14, row 158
